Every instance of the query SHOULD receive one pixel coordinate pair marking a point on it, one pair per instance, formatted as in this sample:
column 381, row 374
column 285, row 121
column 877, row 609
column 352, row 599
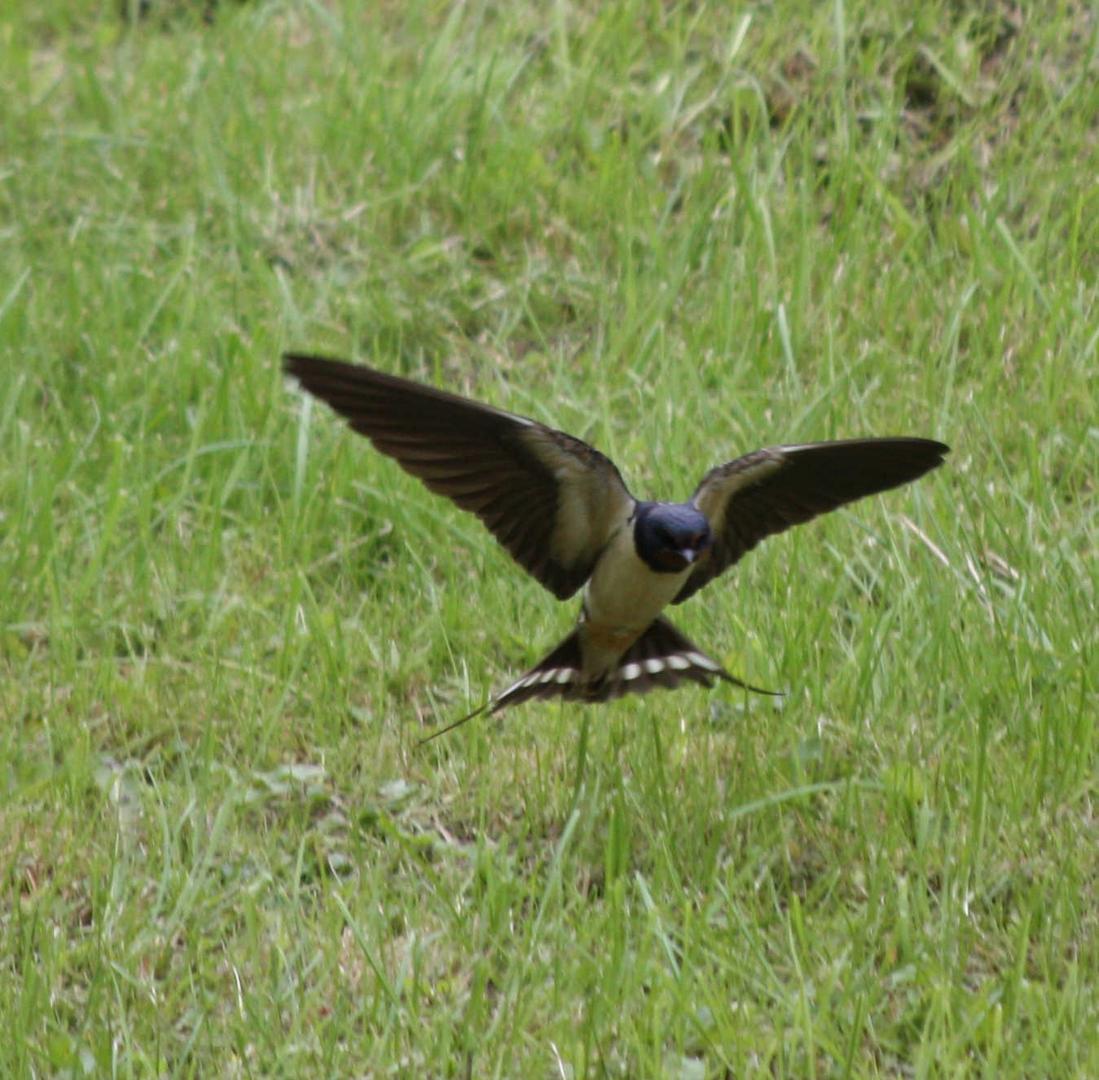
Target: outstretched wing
column 551, row 500
column 770, row 490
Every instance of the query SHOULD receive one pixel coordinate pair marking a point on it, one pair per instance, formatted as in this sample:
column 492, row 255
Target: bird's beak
column 689, row 555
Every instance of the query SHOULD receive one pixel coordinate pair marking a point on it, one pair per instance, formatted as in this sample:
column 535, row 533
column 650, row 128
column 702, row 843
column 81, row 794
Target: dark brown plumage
column 805, row 481
column 498, row 466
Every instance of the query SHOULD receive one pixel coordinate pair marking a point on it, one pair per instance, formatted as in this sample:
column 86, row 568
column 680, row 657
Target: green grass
column 679, row 230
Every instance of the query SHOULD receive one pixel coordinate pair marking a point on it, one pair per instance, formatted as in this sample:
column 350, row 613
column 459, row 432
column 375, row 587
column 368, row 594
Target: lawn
column 678, row 230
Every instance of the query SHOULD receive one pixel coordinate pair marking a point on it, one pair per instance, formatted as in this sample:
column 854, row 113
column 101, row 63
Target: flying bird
column 563, row 512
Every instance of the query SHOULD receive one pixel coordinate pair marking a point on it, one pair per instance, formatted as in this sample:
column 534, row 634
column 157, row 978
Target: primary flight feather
column 562, row 510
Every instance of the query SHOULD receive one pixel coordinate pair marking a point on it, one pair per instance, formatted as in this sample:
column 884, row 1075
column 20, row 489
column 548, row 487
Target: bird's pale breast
column 624, row 593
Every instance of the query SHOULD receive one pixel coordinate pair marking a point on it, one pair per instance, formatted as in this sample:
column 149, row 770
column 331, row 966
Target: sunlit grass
column 225, row 622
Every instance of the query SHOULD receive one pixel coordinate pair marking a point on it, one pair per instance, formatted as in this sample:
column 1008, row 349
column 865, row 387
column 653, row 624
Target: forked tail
column 662, row 656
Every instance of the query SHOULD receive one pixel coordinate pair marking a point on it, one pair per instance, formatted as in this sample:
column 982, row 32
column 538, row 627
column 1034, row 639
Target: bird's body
column 623, row 596
column 563, row 512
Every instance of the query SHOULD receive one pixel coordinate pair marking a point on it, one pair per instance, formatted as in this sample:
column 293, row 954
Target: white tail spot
column 677, row 662
column 654, row 664
column 630, row 670
column 701, row 661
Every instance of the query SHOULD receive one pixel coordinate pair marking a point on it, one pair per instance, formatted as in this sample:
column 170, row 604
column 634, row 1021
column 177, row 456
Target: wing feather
column 770, row 490
column 550, row 499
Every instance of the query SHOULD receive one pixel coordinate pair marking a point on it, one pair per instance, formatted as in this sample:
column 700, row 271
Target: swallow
column 561, row 509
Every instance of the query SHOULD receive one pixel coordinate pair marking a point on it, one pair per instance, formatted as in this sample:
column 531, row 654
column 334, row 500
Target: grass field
column 681, row 231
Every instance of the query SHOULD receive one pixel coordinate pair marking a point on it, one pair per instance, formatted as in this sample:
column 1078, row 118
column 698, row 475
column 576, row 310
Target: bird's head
column 669, row 537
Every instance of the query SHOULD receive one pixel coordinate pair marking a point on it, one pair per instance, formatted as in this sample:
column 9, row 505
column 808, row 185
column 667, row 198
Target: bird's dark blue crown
column 670, row 536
